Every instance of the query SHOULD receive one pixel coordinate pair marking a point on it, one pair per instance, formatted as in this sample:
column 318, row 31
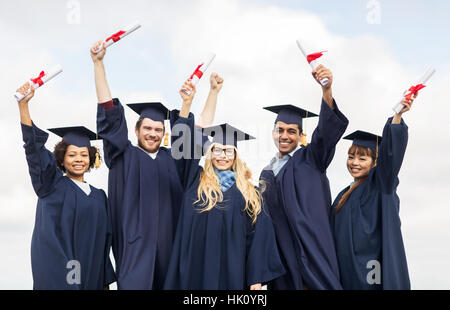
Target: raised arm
column 320, row 73
column 392, row 150
column 101, row 84
column 41, row 162
column 187, row 139
column 209, row 110
column 111, row 123
column 332, row 123
column 25, row 117
column 183, row 136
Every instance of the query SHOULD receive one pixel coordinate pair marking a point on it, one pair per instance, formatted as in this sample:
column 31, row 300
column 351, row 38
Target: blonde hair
column 210, row 194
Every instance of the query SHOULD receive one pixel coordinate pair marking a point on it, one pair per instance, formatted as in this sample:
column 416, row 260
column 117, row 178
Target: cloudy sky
column 376, row 49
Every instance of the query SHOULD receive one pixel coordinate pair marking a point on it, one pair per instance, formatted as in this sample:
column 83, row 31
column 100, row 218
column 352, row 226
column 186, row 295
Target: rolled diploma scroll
column 198, row 73
column 119, row 35
column 43, row 78
column 314, row 64
column 422, row 81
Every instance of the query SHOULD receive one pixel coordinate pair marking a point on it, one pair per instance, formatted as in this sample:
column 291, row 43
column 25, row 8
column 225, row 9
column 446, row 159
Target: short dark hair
column 139, row 123
column 300, row 129
column 60, row 152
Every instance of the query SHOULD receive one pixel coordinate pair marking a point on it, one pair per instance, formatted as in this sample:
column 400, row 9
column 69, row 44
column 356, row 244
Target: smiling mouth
column 78, row 167
column 285, row 143
column 355, row 170
column 222, row 162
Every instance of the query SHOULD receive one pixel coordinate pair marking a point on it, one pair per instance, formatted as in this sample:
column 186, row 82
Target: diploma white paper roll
column 202, row 69
column 48, row 75
column 129, row 29
column 399, row 106
column 314, row 64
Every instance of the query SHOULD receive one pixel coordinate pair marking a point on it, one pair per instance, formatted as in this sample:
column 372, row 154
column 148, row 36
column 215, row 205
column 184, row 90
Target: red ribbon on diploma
column 414, row 90
column 38, row 80
column 314, row 56
column 115, row 37
column 197, row 72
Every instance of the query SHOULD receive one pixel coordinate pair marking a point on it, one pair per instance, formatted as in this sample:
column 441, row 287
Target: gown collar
column 84, row 186
column 152, row 155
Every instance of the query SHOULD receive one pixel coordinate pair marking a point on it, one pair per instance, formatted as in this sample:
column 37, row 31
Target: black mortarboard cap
column 290, row 114
column 226, row 134
column 365, row 139
column 76, row 135
column 155, row 111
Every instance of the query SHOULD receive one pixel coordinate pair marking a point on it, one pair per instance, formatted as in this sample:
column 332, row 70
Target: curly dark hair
column 60, row 152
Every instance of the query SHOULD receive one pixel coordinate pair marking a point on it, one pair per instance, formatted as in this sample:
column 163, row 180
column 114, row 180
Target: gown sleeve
column 390, row 157
column 332, row 125
column 41, row 162
column 186, row 160
column 110, row 275
column 263, row 260
column 112, row 127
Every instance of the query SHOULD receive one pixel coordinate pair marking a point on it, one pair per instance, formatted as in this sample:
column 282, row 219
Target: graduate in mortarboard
column 72, row 234
column 144, row 189
column 365, row 215
column 298, row 193
column 224, row 238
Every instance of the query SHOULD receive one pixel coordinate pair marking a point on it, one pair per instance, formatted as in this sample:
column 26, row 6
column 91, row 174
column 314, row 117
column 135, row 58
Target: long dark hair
column 365, row 151
column 60, row 152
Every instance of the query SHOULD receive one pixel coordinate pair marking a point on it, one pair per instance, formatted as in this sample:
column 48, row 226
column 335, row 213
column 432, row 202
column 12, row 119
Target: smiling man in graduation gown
column 144, row 188
column 298, row 193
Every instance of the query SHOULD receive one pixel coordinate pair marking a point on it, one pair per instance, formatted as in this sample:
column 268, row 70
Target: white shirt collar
column 277, row 155
column 85, row 187
column 152, row 155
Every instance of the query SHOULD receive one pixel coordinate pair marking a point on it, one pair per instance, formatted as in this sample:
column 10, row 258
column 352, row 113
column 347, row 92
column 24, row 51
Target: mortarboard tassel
column 166, row 139
column 303, row 139
column 303, row 135
column 97, row 159
column 376, row 155
column 97, row 155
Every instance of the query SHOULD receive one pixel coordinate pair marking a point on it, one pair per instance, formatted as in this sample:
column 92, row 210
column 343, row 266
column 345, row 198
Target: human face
column 150, row 135
column 76, row 161
column 359, row 165
column 286, row 137
column 222, row 156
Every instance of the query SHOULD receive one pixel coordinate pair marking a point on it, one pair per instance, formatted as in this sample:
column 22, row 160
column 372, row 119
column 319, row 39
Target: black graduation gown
column 145, row 197
column 367, row 227
column 70, row 225
column 220, row 248
column 299, row 201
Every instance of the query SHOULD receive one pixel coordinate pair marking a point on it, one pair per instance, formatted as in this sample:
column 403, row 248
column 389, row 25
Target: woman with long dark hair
column 365, row 215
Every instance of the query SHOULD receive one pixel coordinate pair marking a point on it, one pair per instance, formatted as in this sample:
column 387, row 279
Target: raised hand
column 97, row 57
column 322, row 72
column 216, row 82
column 407, row 104
column 187, row 87
column 23, row 90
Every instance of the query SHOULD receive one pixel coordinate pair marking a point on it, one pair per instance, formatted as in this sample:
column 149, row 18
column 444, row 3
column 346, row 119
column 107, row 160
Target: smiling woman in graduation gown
column 224, row 247
column 365, row 216
column 72, row 233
